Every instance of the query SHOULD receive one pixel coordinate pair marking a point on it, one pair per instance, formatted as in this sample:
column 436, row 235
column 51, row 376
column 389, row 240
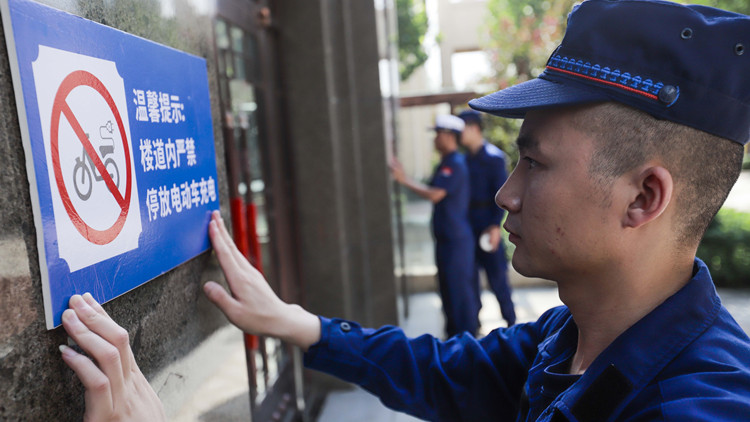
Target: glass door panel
column 237, row 66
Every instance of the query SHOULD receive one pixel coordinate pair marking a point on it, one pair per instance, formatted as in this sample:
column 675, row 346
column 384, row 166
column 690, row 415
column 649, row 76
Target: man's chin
column 524, row 267
column 520, row 266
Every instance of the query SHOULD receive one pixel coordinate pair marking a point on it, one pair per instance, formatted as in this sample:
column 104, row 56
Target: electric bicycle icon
column 85, row 172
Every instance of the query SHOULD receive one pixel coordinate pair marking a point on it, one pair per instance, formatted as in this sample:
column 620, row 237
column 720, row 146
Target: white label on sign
column 84, row 118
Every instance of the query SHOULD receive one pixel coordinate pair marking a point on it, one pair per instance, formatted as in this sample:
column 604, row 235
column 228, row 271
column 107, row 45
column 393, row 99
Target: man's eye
column 531, row 162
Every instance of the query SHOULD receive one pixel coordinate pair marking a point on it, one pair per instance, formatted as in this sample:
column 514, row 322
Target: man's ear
column 653, row 192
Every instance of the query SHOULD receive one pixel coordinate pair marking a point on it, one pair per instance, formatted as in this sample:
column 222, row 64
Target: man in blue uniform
column 487, row 174
column 632, row 138
column 454, row 249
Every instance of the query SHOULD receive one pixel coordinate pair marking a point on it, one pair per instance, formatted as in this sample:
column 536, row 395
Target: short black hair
column 704, row 167
column 475, row 123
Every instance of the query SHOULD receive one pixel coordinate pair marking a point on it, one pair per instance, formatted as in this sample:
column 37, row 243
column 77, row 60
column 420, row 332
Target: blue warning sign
column 120, row 153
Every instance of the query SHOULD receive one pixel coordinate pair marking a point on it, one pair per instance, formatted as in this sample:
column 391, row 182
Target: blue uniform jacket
column 450, row 217
column 686, row 360
column 487, row 173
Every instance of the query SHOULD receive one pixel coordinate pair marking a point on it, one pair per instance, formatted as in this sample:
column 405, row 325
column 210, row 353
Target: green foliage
column 412, row 27
column 503, row 132
column 726, row 248
column 520, row 37
column 739, row 6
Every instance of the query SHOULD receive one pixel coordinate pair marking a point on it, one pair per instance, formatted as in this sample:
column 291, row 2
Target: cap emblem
column 614, row 78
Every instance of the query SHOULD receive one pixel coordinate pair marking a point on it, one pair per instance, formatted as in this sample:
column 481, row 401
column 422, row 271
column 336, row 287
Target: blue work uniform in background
column 487, row 173
column 687, row 360
column 454, row 246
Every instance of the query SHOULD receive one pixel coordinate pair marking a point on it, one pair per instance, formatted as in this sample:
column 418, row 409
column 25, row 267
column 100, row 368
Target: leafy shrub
column 726, row 248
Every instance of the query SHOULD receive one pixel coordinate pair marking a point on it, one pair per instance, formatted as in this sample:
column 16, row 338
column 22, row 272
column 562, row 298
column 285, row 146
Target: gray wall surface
column 335, row 118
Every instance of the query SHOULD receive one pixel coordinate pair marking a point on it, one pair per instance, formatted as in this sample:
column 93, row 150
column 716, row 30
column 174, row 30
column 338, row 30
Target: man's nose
column 508, row 196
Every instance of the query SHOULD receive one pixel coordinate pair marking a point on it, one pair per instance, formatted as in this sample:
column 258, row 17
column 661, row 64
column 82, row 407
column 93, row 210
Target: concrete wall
column 460, row 25
column 332, row 95
column 166, row 318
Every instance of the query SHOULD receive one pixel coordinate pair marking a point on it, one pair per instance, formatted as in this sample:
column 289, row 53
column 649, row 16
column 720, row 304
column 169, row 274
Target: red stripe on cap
column 614, row 84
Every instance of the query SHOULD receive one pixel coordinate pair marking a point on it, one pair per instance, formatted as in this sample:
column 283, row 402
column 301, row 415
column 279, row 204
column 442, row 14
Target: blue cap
column 686, row 64
column 471, row 116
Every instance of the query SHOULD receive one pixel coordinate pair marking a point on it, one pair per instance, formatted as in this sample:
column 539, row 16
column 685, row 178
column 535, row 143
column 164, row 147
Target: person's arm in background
column 430, row 193
column 115, row 387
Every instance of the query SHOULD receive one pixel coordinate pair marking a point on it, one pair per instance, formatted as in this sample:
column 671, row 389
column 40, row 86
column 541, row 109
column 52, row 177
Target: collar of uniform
column 448, row 157
column 559, row 343
column 481, row 152
column 642, row 351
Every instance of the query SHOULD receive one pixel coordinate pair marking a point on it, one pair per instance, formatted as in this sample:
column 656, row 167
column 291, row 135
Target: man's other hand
column 495, row 237
column 253, row 306
column 397, row 171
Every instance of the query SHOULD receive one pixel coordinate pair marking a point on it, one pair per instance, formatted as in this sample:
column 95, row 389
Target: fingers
column 97, row 320
column 216, row 294
column 223, row 252
column 222, row 235
column 227, row 252
column 234, row 264
column 252, row 300
column 113, row 333
column 227, row 259
column 77, row 322
column 115, row 387
column 98, row 393
column 239, row 257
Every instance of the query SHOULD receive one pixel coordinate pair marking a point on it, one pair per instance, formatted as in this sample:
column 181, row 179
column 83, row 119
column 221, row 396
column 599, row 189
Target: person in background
column 487, row 173
column 454, row 248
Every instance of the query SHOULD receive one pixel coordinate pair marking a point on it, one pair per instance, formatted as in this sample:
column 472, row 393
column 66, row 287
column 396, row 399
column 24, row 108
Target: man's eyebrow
column 526, row 143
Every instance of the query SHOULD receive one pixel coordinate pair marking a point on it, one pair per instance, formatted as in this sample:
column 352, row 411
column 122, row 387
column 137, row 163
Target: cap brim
column 516, row 101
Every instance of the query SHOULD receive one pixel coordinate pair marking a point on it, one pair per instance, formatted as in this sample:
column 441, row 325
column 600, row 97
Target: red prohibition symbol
column 61, row 107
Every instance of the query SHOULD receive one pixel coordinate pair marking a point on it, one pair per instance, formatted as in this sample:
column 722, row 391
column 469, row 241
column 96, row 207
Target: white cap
column 449, row 122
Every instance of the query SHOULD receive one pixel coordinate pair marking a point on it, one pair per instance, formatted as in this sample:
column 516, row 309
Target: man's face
column 444, row 140
column 471, row 135
column 556, row 214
